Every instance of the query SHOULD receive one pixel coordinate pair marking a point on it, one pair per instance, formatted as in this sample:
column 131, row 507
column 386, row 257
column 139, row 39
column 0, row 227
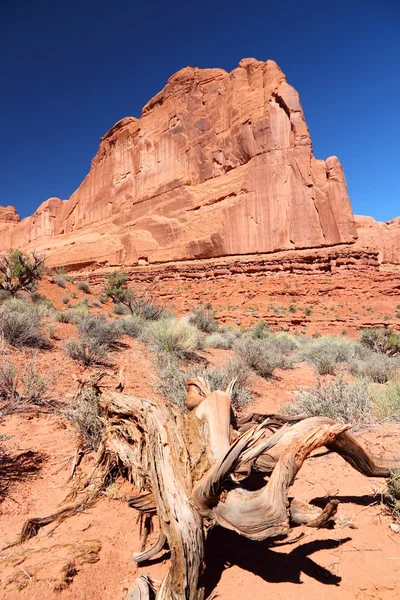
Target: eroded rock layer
column 218, row 164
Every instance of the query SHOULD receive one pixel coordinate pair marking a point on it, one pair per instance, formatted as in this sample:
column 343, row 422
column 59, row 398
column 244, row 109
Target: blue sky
column 70, row 70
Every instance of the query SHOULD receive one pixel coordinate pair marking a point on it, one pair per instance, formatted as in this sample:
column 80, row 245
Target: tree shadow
column 20, row 467
column 365, row 500
column 225, row 548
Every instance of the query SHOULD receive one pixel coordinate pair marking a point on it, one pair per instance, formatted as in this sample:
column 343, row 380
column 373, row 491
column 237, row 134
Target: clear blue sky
column 70, row 69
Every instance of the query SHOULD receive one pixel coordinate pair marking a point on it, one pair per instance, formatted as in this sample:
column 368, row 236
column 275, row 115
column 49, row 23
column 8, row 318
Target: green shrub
column 327, row 353
column 339, row 400
column 143, row 306
column 380, row 339
column 21, row 324
column 260, row 331
column 170, row 335
column 83, row 286
column 103, row 298
column 203, row 318
column 65, row 300
column 87, row 352
column 263, row 355
column 20, row 271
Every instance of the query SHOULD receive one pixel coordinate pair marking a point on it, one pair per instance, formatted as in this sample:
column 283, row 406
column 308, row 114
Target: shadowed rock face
column 218, row 164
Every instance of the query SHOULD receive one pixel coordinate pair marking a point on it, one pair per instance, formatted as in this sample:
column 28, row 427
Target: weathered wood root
column 302, row 513
column 140, row 557
column 188, row 467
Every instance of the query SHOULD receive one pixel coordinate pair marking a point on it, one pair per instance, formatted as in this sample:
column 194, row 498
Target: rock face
column 384, row 237
column 218, row 164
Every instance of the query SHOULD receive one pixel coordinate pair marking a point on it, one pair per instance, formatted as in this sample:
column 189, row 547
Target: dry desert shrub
column 21, row 324
column 87, row 352
column 203, row 318
column 170, row 335
column 339, row 400
column 83, row 286
column 172, row 375
column 98, row 329
column 264, row 355
column 84, row 415
column 27, row 385
column 386, row 400
column 132, row 326
column 59, row 280
column 327, row 353
column 220, row 340
column 376, row 366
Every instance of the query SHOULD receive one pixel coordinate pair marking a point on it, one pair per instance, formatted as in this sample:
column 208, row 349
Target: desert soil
column 359, row 558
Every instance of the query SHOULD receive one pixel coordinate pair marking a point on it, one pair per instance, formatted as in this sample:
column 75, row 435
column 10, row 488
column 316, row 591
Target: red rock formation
column 218, row 164
column 384, row 237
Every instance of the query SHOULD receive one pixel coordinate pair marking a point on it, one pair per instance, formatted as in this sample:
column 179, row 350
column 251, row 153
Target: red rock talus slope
column 218, row 164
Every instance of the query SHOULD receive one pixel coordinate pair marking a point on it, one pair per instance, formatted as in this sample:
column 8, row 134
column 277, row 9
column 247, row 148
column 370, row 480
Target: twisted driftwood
column 190, row 469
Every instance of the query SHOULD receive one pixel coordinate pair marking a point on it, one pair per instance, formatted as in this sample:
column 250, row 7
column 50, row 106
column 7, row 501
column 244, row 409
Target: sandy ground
column 359, row 558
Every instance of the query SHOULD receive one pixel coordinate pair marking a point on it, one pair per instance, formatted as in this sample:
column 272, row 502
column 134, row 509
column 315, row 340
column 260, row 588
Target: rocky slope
column 218, row 164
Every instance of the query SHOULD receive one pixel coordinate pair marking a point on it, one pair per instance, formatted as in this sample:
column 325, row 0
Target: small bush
column 96, row 303
column 65, row 300
column 21, row 325
column 4, row 295
column 87, row 352
column 174, row 336
column 339, row 400
column 67, row 316
column 203, row 319
column 8, row 380
column 132, row 326
column 84, row 415
column 120, row 309
column 219, row 378
column 386, row 400
column 60, row 281
column 327, row 353
column 375, row 366
column 380, row 339
column 260, row 331
column 20, row 272
column 103, row 298
column 29, row 386
column 34, row 385
column 263, row 355
column 83, row 286
column 221, row 340
column 392, row 496
column 172, row 376
column 98, row 329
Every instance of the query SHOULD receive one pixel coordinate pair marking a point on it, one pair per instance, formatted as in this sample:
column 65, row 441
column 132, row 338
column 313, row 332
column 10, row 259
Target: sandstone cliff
column 384, row 237
column 218, row 164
